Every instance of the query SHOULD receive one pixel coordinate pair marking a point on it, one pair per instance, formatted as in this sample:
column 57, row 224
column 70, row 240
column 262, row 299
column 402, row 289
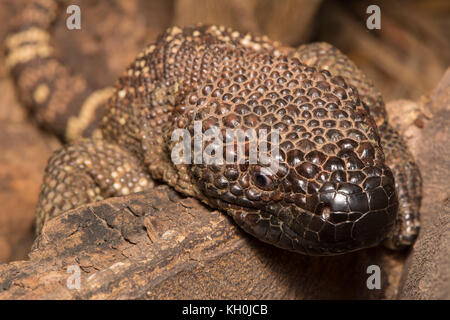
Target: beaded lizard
column 346, row 180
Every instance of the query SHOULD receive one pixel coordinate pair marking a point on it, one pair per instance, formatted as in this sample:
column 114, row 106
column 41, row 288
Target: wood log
column 427, row 269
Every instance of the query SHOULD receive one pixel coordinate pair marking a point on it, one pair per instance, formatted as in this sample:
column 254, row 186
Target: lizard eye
column 262, row 180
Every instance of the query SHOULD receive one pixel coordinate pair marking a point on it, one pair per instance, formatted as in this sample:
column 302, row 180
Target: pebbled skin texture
column 346, row 180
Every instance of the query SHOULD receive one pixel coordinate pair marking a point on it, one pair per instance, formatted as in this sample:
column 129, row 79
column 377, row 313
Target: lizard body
column 346, row 180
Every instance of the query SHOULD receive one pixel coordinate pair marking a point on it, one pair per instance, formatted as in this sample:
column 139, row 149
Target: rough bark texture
column 427, row 269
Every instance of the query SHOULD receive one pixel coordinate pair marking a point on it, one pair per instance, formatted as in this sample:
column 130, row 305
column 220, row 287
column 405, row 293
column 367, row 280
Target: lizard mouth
column 341, row 222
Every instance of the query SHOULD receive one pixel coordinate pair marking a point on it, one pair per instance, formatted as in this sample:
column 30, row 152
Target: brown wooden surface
column 427, row 269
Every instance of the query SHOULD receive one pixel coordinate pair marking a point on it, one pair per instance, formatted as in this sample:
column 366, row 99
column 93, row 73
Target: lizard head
column 330, row 191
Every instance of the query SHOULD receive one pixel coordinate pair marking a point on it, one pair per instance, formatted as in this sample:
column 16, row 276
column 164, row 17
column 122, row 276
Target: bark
column 427, row 269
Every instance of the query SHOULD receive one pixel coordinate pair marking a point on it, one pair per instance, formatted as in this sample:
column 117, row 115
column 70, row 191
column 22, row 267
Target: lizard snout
column 356, row 216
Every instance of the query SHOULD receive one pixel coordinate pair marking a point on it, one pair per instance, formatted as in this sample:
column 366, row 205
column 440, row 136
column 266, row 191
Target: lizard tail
column 60, row 100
